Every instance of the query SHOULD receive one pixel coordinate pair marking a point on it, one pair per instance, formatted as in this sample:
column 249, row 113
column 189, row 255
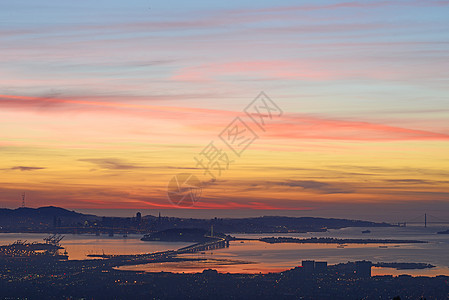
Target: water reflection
column 79, row 246
column 265, row 258
column 278, row 257
column 256, row 256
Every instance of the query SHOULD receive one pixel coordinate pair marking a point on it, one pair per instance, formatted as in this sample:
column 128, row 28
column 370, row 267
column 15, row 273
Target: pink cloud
column 276, row 69
column 343, row 5
column 312, row 69
column 203, row 122
column 304, row 127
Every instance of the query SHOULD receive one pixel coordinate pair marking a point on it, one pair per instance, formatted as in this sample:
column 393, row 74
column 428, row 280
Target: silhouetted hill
column 266, row 224
column 50, row 218
column 39, row 212
column 46, row 211
column 40, row 218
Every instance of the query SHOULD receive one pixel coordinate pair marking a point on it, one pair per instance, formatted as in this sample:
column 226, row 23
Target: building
column 363, row 269
column 308, row 266
column 320, row 267
column 311, row 266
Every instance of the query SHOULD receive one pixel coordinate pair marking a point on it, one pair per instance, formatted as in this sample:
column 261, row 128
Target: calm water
column 79, row 245
column 255, row 256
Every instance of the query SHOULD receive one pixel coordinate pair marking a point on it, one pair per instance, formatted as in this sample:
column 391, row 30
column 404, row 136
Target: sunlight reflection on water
column 256, row 256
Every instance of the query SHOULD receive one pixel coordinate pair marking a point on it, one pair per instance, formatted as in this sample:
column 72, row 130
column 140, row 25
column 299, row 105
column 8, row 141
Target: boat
column 101, row 255
column 64, row 256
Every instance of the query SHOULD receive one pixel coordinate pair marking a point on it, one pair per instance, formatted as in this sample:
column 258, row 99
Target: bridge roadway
column 218, row 243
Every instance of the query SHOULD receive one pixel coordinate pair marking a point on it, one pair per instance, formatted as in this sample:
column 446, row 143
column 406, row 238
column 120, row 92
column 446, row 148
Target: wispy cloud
column 24, row 168
column 198, row 120
column 410, row 181
column 320, row 186
column 312, row 185
column 341, row 5
column 307, row 127
column 112, row 163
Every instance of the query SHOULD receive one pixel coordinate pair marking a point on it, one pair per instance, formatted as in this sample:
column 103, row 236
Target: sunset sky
column 102, row 102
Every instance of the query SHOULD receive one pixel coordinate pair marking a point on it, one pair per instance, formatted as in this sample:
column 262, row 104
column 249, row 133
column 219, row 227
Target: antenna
column 23, row 199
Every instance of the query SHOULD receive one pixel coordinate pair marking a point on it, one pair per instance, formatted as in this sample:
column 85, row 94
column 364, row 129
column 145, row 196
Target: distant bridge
column 219, row 243
column 115, row 260
column 424, row 219
column 98, row 230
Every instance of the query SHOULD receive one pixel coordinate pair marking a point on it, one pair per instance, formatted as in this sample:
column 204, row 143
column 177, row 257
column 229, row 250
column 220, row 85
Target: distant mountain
column 40, row 218
column 41, row 211
column 46, row 211
column 50, row 218
column 266, row 224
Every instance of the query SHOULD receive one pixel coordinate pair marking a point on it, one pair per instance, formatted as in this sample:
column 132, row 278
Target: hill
column 266, row 224
column 38, row 219
column 50, row 218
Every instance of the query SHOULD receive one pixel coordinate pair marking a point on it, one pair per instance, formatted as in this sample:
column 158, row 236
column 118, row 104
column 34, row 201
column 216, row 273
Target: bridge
column 115, row 260
column 219, row 243
column 424, row 219
column 99, row 230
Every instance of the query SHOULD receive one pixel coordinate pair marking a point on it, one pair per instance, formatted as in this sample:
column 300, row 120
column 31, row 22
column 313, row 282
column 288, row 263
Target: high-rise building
column 363, row 268
column 308, row 266
column 320, row 266
column 311, row 266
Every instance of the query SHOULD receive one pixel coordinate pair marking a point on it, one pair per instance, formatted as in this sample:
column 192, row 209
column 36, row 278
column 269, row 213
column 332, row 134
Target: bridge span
column 219, row 243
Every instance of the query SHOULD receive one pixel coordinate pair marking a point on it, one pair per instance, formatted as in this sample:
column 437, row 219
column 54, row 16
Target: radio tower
column 23, row 200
